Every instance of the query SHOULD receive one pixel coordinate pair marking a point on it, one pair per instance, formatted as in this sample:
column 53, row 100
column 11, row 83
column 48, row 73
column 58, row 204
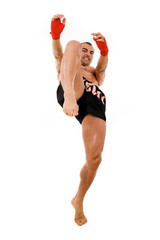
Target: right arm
column 56, row 29
column 58, row 53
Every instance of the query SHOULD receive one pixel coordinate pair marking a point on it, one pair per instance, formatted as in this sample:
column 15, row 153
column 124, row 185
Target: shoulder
column 90, row 69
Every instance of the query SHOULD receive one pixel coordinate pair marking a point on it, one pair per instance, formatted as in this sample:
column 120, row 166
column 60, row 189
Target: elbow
column 100, row 78
column 100, row 82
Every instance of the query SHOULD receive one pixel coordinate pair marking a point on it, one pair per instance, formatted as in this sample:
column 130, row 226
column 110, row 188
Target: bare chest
column 89, row 75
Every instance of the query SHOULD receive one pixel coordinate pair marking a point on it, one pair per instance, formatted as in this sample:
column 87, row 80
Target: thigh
column 78, row 79
column 94, row 132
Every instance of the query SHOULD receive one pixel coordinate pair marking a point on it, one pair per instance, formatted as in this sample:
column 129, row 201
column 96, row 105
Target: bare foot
column 80, row 218
column 70, row 106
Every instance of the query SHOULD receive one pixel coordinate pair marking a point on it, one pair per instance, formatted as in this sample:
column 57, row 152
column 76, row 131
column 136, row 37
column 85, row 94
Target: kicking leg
column 71, row 77
column 94, row 130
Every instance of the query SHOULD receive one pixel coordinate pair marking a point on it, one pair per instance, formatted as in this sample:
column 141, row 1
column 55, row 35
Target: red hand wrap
column 56, row 28
column 103, row 47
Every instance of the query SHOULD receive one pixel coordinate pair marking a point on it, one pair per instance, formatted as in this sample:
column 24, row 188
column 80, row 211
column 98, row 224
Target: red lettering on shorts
column 102, row 99
column 90, row 87
column 99, row 94
column 94, row 90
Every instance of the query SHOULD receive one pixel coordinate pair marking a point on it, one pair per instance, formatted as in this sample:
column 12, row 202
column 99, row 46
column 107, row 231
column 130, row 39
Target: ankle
column 79, row 200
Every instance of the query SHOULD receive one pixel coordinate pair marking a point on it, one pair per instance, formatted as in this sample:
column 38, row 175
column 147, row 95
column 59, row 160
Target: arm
column 103, row 60
column 58, row 53
column 56, row 29
column 100, row 69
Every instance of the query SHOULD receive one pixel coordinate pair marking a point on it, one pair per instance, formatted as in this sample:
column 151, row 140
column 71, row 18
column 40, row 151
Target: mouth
column 86, row 58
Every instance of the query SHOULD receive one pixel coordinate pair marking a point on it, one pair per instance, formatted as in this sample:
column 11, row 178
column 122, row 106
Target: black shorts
column 93, row 101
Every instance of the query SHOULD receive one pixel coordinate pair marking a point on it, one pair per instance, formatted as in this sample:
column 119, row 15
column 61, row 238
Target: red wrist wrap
column 56, row 29
column 103, row 47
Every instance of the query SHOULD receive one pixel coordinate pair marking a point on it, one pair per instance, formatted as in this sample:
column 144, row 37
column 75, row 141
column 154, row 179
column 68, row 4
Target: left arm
column 103, row 60
column 100, row 69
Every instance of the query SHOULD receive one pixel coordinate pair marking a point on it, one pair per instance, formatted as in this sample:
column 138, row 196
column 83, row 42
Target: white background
column 41, row 149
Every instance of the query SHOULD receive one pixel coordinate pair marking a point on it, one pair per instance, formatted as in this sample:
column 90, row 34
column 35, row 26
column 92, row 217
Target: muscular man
column 79, row 95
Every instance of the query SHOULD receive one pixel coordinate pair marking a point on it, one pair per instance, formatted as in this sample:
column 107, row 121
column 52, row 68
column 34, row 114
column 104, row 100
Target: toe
column 81, row 222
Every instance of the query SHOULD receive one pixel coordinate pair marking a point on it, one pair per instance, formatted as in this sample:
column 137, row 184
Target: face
column 86, row 54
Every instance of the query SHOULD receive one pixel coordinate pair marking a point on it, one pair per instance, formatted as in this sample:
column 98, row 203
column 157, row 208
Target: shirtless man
column 79, row 95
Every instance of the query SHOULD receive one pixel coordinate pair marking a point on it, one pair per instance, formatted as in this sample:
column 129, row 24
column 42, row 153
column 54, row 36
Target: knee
column 93, row 162
column 73, row 44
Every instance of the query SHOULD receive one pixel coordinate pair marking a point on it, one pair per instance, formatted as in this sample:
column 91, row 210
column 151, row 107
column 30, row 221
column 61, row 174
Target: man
column 79, row 95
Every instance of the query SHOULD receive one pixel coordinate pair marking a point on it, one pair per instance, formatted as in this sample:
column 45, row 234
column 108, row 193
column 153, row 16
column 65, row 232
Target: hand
column 101, row 43
column 98, row 37
column 57, row 26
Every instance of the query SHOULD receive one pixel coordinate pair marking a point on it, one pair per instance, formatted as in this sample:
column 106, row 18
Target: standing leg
column 94, row 130
column 71, row 77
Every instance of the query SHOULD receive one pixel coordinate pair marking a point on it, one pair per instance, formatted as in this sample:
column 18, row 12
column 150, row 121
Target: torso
column 89, row 73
